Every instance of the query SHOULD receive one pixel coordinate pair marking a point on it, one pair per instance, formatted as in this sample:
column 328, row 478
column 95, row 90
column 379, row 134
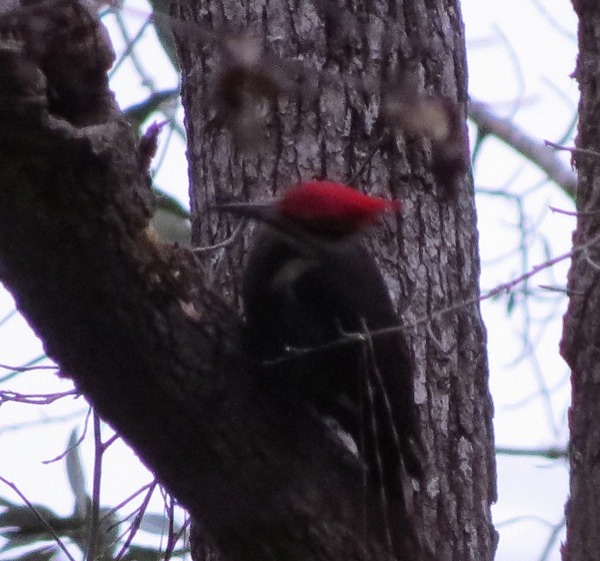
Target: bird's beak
column 268, row 213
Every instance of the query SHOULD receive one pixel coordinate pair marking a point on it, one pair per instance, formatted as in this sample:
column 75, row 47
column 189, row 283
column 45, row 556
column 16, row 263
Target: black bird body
column 304, row 303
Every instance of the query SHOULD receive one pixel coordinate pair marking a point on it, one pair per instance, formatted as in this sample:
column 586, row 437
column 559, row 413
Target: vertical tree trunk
column 327, row 125
column 581, row 334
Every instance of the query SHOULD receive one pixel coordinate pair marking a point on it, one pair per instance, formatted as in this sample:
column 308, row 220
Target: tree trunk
column 318, row 114
column 144, row 329
column 581, row 332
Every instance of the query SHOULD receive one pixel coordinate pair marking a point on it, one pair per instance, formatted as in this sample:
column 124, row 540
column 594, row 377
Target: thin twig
column 546, row 14
column 39, row 516
column 28, row 368
column 135, row 525
column 171, row 535
column 572, row 149
column 114, row 509
column 94, row 538
column 552, row 539
column 34, row 399
column 369, row 362
column 183, row 528
column 8, row 316
column 39, row 422
column 79, row 441
column 222, row 244
column 524, row 518
column 550, row 288
column 549, row 453
column 576, row 213
column 376, row 146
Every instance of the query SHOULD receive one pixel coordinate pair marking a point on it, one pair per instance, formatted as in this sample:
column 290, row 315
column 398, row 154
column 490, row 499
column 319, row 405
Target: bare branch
column 549, row 453
column 534, row 150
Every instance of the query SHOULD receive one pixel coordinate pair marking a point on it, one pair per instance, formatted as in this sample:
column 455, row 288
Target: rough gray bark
column 580, row 345
column 325, row 125
column 143, row 329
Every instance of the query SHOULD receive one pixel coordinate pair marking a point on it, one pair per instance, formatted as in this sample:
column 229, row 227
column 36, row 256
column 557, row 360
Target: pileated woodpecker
column 314, row 300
